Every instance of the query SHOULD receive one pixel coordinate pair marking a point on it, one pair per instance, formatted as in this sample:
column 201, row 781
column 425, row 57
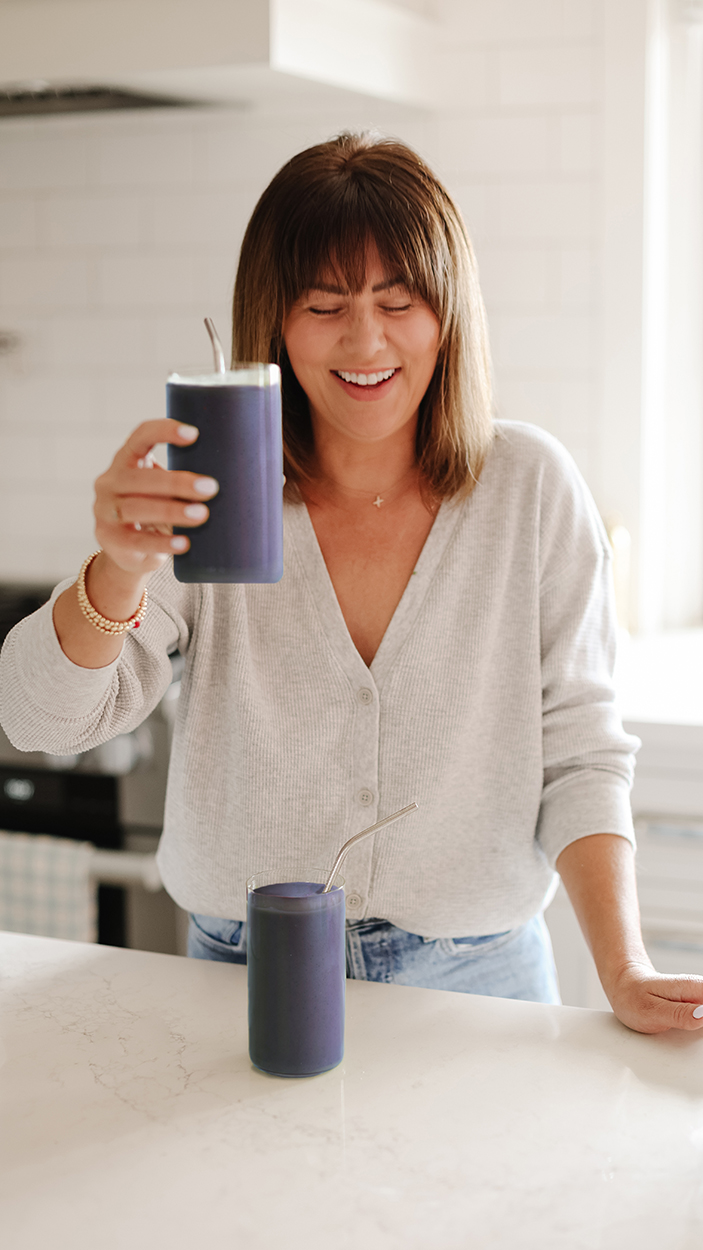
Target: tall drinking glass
column 296, row 971
column 238, row 414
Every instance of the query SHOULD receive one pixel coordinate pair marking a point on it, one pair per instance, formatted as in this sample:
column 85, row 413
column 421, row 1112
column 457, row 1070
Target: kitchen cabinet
column 132, row 1117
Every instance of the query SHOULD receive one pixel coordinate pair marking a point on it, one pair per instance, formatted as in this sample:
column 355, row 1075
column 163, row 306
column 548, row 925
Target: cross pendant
column 377, row 501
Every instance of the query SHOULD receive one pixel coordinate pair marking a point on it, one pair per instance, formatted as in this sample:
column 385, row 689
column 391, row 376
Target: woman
column 443, row 630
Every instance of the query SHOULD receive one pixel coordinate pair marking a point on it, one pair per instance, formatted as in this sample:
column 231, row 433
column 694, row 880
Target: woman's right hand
column 137, row 502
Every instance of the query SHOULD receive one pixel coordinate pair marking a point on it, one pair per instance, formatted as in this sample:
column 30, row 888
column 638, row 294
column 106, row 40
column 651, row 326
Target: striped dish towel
column 46, row 887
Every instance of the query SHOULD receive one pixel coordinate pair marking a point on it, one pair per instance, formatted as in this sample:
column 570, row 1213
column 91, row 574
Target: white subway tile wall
column 520, row 153
column 560, row 76
column 18, row 222
column 119, row 233
column 505, row 21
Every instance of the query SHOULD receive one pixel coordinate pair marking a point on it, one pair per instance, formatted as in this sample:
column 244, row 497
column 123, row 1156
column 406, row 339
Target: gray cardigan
column 490, row 702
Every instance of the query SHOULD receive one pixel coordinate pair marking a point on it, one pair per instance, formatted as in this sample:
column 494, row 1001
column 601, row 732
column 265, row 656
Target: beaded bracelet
column 102, row 623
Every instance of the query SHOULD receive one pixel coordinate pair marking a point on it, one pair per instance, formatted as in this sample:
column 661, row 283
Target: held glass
column 240, row 444
column 296, row 971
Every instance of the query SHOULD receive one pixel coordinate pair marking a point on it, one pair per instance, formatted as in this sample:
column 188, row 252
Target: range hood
column 221, row 51
column 37, row 99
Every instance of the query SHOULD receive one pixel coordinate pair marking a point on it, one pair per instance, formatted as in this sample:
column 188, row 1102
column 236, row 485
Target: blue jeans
column 516, row 964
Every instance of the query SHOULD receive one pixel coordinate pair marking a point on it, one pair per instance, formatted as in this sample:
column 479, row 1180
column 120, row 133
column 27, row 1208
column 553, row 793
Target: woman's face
column 366, row 360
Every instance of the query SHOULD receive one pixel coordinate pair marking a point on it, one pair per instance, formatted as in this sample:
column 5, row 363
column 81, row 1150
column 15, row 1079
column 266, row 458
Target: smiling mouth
column 365, row 379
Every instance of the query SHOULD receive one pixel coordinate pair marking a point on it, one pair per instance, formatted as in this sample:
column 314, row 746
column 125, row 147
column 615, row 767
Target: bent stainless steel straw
column 220, row 365
column 412, row 807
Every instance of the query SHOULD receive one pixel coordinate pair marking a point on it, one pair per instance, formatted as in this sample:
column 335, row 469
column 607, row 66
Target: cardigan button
column 353, row 901
column 365, row 797
column 365, row 695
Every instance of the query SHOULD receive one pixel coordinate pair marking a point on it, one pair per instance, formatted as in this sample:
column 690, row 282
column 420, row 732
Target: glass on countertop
column 296, row 971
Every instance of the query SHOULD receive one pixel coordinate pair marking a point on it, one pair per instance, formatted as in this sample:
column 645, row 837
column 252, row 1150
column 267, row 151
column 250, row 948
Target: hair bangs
column 330, row 240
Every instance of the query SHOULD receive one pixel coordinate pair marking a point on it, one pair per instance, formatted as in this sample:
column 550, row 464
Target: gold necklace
column 380, row 499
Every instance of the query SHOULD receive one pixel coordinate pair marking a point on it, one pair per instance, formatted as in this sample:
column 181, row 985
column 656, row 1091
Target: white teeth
column 366, row 379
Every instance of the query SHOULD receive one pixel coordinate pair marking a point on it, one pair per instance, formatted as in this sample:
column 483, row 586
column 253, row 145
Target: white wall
column 518, row 146
column 119, row 233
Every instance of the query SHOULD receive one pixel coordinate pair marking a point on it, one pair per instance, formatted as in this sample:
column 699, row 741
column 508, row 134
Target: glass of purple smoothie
column 238, row 414
column 296, row 971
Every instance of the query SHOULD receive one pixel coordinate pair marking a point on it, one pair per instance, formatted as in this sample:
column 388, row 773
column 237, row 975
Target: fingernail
column 178, row 543
column 196, row 511
column 187, row 431
column 206, row 486
column 698, row 1012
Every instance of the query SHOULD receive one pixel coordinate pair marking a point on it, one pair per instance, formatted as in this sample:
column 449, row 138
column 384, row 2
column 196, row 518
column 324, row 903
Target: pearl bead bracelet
column 102, row 623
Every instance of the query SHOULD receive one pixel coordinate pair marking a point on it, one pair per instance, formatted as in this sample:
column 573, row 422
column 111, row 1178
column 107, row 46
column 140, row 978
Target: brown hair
column 318, row 215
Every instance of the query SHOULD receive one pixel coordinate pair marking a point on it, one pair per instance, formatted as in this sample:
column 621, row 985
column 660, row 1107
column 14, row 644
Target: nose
column 365, row 335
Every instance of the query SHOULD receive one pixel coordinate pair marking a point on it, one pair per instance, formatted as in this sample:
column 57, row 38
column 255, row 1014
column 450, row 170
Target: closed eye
column 318, row 311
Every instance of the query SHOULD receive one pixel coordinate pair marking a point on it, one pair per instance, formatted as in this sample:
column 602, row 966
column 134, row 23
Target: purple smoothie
column 296, row 974
column 238, row 415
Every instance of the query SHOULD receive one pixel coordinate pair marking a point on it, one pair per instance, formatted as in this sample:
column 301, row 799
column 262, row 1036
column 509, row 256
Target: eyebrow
column 327, row 288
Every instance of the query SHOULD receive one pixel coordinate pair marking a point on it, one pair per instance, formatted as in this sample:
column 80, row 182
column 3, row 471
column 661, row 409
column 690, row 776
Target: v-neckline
column 327, row 605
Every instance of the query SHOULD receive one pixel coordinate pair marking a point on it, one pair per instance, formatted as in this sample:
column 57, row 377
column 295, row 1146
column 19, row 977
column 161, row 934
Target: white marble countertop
column 132, row 1118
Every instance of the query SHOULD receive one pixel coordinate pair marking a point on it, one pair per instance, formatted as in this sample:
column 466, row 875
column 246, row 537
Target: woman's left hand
column 599, row 875
column 650, row 1002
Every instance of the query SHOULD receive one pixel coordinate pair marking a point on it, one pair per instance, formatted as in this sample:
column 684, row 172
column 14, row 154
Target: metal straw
column 412, row 807
column 220, row 366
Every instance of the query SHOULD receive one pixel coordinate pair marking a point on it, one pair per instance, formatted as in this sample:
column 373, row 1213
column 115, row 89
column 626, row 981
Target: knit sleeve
column 588, row 758
column 48, row 703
